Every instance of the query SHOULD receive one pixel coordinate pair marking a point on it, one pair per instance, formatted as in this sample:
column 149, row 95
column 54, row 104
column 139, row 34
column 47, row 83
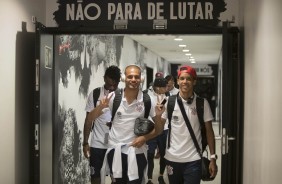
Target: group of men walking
column 114, row 150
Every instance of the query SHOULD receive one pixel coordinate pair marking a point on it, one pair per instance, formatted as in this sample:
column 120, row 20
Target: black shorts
column 96, row 161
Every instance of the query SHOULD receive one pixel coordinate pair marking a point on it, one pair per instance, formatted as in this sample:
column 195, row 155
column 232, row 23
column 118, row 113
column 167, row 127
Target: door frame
column 229, row 164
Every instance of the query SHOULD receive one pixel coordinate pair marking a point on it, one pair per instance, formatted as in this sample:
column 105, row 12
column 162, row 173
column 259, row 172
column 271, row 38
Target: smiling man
column 183, row 159
column 96, row 123
column 126, row 156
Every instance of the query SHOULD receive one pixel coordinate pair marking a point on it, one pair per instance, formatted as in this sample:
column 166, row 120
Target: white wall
column 12, row 14
column 263, row 103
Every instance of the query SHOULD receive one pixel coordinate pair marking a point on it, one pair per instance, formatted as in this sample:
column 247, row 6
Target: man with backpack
column 96, row 123
column 183, row 158
column 126, row 158
column 158, row 93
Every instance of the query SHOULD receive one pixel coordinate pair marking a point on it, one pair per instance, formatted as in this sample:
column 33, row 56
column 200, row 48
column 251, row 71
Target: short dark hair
column 169, row 78
column 113, row 72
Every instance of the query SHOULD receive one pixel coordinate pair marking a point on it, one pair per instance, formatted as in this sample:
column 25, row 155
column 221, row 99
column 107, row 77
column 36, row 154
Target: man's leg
column 152, row 145
column 192, row 172
column 96, row 161
column 141, row 163
column 174, row 172
column 162, row 149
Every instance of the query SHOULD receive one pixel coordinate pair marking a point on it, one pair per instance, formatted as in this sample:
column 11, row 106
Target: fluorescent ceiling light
column 188, row 54
column 178, row 39
column 185, row 50
column 182, row 45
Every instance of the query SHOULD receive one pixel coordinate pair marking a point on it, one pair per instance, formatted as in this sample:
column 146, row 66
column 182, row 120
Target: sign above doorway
column 138, row 14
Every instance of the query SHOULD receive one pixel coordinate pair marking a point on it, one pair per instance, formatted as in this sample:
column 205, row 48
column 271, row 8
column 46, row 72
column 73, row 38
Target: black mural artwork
column 72, row 167
column 83, row 53
column 82, row 57
column 140, row 55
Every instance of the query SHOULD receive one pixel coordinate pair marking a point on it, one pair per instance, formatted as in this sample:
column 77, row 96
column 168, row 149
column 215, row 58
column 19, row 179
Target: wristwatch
column 214, row 156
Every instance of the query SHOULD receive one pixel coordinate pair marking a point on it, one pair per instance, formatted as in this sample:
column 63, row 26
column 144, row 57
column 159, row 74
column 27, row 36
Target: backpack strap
column 200, row 113
column 145, row 91
column 170, row 108
column 96, row 94
column 117, row 101
column 200, row 109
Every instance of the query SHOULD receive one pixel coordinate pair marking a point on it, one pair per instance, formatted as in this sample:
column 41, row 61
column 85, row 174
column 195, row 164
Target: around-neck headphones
column 123, row 74
column 190, row 100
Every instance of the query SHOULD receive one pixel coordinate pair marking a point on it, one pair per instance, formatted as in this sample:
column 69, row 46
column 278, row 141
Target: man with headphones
column 126, row 158
column 183, row 159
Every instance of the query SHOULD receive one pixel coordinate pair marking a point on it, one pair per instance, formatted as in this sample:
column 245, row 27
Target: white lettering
column 159, row 10
column 119, row 14
column 97, row 8
column 79, row 13
column 127, row 11
column 191, row 4
column 111, row 10
column 124, row 11
column 70, row 12
column 151, row 11
column 208, row 10
column 172, row 16
column 181, row 10
column 199, row 11
column 137, row 12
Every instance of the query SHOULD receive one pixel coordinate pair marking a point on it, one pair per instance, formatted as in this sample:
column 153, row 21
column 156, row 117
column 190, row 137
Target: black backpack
column 96, row 94
column 117, row 101
column 200, row 113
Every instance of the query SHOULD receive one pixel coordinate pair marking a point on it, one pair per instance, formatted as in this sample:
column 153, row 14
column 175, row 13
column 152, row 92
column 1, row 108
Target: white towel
column 117, row 164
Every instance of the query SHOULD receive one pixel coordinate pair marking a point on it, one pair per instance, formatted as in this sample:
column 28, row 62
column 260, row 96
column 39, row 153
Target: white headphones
column 122, row 78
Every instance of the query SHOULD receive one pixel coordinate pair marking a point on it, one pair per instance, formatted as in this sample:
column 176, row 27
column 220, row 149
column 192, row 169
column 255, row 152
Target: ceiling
column 206, row 49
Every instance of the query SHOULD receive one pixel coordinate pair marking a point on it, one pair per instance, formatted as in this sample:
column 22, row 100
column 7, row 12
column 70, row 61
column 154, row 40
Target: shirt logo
column 139, row 107
column 193, row 111
column 175, row 118
column 169, row 170
column 119, row 115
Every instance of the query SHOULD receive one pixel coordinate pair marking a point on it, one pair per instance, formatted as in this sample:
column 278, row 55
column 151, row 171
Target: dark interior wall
column 25, row 59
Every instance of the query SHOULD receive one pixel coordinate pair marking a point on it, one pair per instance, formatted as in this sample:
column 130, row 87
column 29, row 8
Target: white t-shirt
column 182, row 148
column 100, row 131
column 122, row 131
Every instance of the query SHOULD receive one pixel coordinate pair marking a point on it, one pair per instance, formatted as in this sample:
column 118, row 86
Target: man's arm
column 89, row 120
column 159, row 127
column 211, row 143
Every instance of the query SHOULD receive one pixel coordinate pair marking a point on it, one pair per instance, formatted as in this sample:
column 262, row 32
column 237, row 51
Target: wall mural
column 81, row 61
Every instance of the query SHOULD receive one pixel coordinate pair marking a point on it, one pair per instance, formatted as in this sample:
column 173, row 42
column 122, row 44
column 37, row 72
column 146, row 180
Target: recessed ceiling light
column 188, row 54
column 178, row 39
column 182, row 45
column 185, row 50
column 193, row 61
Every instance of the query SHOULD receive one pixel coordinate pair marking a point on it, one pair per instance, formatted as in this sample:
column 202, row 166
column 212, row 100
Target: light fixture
column 188, row 54
column 185, row 50
column 160, row 24
column 178, row 38
column 182, row 45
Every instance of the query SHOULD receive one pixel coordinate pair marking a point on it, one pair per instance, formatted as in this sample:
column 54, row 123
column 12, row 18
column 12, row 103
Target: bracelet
column 214, row 156
column 85, row 144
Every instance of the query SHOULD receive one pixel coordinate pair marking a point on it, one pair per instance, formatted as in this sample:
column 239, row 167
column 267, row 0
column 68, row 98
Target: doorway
column 79, row 62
